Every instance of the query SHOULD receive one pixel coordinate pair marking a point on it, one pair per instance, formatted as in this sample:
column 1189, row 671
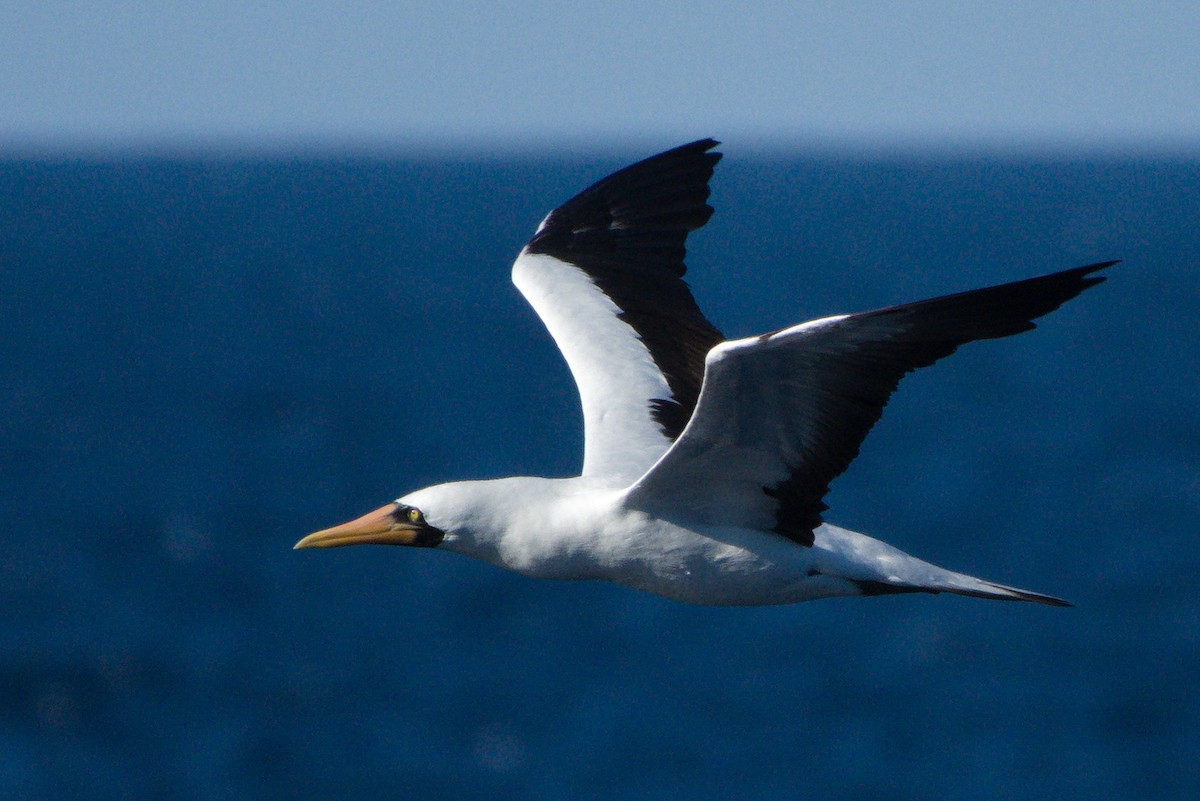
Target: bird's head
column 464, row 516
column 397, row 523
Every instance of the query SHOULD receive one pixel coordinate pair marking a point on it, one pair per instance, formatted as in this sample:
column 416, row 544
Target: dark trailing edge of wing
column 627, row 232
column 924, row 332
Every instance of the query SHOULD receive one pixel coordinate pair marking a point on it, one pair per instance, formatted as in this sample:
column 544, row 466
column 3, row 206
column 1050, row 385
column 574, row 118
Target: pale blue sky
column 536, row 73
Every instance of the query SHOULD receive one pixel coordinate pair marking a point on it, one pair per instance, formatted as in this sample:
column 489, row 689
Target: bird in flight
column 705, row 461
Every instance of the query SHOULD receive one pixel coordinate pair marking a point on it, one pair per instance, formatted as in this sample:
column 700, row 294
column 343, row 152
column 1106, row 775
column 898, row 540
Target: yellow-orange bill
column 381, row 527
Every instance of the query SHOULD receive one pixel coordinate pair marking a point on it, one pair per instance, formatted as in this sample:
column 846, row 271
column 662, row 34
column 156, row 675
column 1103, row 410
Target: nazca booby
column 705, row 460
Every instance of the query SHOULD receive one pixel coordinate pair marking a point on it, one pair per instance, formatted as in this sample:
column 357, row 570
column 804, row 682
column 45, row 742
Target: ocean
column 205, row 358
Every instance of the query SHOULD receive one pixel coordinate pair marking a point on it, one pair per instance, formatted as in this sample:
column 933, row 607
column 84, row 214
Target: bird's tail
column 877, row 568
column 959, row 584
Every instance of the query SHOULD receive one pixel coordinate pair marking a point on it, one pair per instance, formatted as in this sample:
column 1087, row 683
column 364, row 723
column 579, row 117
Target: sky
column 536, row 73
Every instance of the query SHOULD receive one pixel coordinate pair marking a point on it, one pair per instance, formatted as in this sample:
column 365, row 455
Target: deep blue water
column 205, row 359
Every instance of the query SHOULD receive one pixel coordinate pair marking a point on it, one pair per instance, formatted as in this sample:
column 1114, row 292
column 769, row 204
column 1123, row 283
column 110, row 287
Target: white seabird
column 705, row 461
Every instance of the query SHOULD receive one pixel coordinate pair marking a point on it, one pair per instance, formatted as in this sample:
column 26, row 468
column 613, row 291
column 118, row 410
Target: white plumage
column 614, row 371
column 705, row 461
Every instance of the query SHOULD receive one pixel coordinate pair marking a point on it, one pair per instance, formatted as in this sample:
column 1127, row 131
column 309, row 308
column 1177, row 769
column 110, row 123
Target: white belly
column 564, row 529
column 719, row 566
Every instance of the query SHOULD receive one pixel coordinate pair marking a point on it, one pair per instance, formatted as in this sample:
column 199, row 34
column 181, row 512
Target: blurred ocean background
column 207, row 357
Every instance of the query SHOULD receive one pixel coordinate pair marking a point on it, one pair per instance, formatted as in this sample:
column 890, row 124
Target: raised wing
column 605, row 273
column 781, row 415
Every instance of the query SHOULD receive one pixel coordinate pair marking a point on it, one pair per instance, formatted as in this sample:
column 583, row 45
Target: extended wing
column 781, row 415
column 605, row 273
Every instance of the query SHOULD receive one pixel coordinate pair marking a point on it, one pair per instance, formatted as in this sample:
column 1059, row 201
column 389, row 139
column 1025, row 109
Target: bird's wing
column 605, row 273
column 781, row 415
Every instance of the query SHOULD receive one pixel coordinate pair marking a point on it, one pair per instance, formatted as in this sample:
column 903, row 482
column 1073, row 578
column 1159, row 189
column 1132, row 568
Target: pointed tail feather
column 964, row 585
column 1001, row 592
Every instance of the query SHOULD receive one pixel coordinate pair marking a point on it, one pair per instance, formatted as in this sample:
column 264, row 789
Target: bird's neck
column 535, row 526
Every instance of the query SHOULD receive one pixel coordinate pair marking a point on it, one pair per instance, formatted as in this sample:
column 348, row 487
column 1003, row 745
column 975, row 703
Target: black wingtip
column 1069, row 284
column 640, row 214
column 997, row 311
column 1088, row 270
column 700, row 145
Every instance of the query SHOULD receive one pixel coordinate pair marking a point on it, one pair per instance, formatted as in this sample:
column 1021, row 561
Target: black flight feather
column 905, row 338
column 627, row 233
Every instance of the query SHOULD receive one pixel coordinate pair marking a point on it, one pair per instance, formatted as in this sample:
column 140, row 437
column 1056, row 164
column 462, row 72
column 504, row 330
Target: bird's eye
column 414, row 515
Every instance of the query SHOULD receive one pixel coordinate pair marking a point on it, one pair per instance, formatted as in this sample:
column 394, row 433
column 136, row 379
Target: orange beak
column 384, row 526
